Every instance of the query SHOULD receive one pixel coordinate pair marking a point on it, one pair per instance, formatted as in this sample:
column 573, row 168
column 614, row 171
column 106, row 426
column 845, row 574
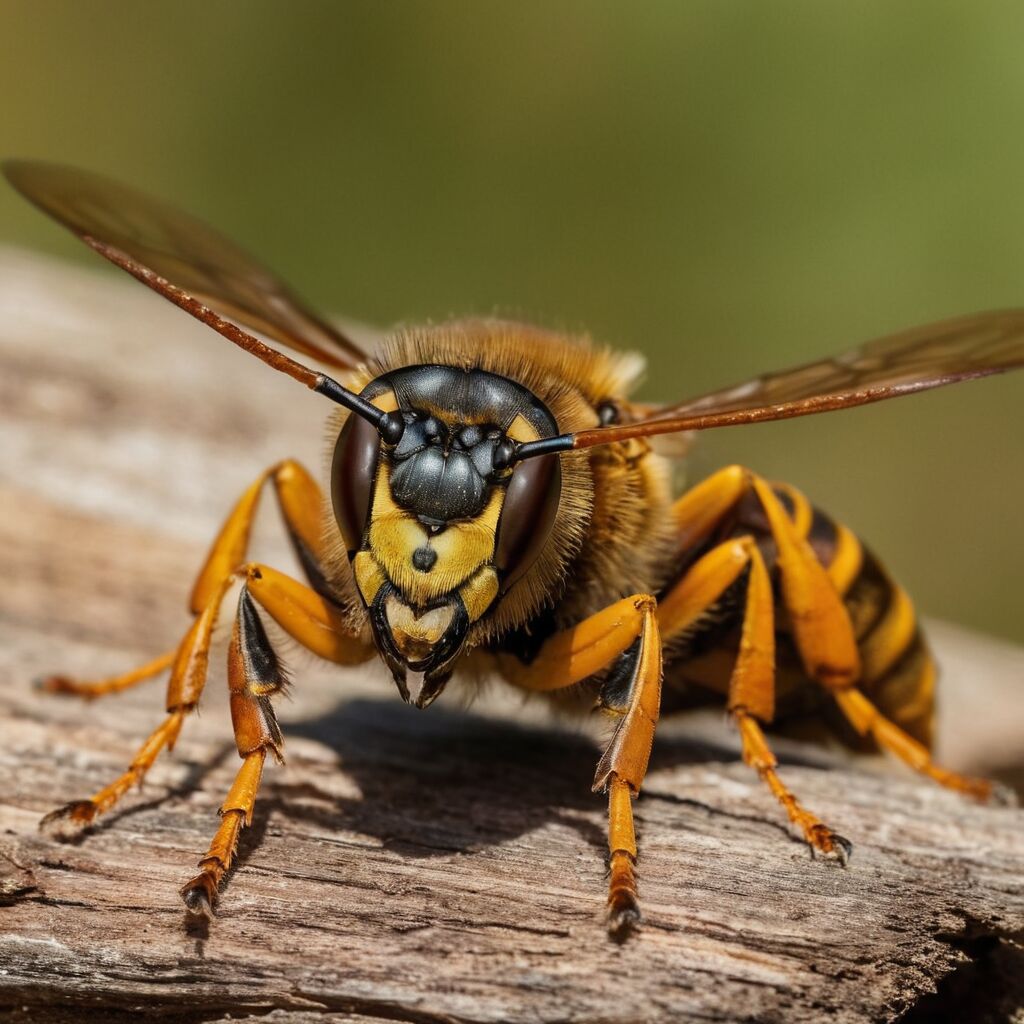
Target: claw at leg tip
column 197, row 903
column 843, row 849
column 78, row 812
column 997, row 794
column 52, row 684
column 822, row 841
column 1003, row 796
column 623, row 919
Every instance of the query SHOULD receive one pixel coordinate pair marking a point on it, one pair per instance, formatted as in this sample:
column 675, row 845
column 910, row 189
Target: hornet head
column 438, row 519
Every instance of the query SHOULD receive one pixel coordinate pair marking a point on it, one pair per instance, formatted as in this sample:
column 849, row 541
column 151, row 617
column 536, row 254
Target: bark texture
column 431, row 866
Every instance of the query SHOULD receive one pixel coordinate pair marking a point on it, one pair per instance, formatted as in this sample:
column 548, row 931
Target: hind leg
column 824, row 637
column 751, row 688
column 113, row 684
column 869, row 721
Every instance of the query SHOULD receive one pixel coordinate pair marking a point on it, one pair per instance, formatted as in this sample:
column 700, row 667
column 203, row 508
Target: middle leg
column 299, row 500
column 751, row 688
column 255, row 676
column 823, row 631
column 188, row 678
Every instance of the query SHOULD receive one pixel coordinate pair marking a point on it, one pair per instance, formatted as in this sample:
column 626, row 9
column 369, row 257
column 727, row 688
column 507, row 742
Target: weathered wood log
column 437, row 866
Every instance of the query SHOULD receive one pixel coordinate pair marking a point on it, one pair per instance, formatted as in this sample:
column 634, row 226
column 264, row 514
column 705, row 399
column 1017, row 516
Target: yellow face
column 422, row 512
column 427, row 566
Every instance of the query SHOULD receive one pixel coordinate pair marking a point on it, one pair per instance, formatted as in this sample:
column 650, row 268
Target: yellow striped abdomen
column 898, row 673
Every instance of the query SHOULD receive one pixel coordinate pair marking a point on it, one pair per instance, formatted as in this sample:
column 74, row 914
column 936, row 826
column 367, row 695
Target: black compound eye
column 353, row 469
column 527, row 516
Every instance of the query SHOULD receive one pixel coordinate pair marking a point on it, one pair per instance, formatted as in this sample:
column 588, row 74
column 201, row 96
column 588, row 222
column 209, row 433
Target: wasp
column 495, row 506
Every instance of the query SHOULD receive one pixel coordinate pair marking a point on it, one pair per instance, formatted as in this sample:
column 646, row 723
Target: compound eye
column 527, row 516
column 353, row 469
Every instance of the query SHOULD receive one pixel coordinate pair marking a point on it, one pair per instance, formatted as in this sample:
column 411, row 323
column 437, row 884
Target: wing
column 162, row 246
column 899, row 364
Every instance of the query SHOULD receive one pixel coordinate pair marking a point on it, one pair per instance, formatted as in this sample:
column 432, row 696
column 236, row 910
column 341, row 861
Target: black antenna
column 545, row 446
column 390, row 425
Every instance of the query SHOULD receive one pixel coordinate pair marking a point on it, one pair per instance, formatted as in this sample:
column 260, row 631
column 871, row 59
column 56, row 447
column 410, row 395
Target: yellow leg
column 703, row 584
column 581, row 651
column 752, row 682
column 623, row 766
column 867, row 719
column 82, row 812
column 115, row 684
column 821, row 625
column 636, row 706
column 623, row 903
column 752, row 698
column 200, row 893
column 304, row 614
column 824, row 637
column 188, row 677
column 593, row 644
column 759, row 756
column 820, row 622
column 300, row 501
column 703, row 508
column 697, row 512
column 254, row 676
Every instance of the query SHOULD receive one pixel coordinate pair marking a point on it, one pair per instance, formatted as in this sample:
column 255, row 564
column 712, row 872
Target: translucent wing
column 899, row 364
column 160, row 245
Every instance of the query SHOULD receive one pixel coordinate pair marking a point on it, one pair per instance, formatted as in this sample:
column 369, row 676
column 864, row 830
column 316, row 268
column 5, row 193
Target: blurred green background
column 728, row 187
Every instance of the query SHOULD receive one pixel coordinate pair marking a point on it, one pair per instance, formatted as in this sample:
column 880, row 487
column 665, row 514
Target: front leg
column 255, row 676
column 634, row 695
column 623, row 766
column 634, row 698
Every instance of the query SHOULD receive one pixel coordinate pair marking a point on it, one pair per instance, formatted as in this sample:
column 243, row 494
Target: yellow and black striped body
column 898, row 673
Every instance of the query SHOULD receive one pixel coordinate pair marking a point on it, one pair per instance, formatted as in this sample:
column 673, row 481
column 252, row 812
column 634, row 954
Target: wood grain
column 413, row 866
